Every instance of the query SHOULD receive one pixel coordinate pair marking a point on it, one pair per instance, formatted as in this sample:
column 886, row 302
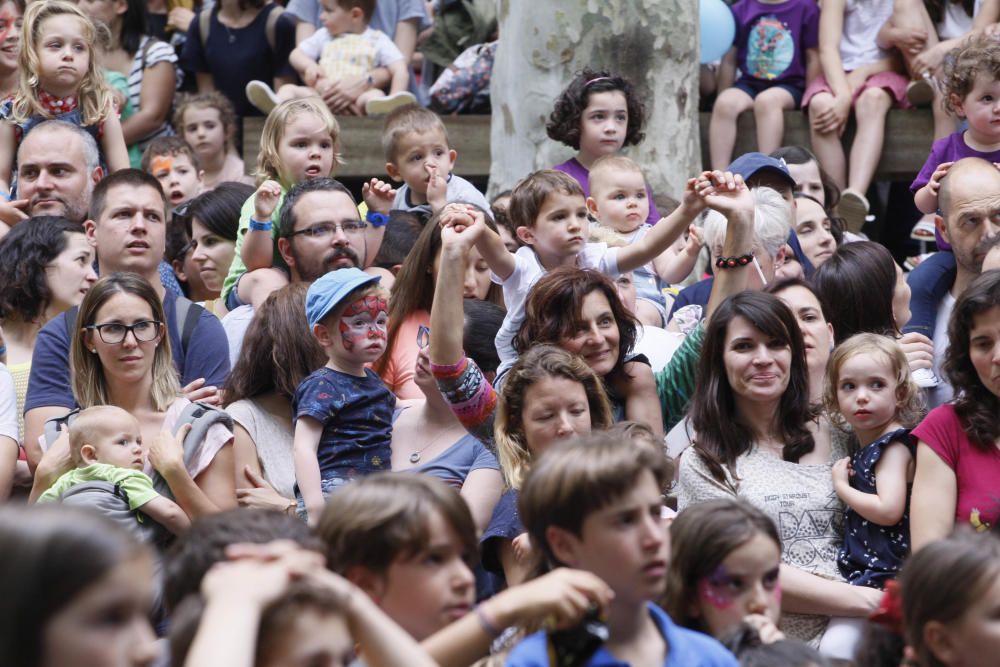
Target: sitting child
column 106, row 446
column 417, row 154
column 207, row 122
column 596, row 503
column 172, row 162
column 344, row 49
column 619, row 200
column 343, row 411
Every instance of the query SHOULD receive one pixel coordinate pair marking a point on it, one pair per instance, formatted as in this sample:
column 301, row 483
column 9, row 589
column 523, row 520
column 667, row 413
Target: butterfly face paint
column 363, row 325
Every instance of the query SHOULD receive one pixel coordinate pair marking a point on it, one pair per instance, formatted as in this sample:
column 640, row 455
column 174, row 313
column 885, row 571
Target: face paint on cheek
column 345, row 336
column 373, row 305
column 716, row 589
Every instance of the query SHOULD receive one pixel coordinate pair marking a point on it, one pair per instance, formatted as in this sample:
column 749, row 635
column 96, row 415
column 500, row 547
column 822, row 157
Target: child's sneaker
column 262, row 96
column 925, row 378
column 380, row 106
column 853, row 208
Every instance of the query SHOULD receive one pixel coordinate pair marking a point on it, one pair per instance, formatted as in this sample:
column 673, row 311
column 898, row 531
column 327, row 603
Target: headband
column 596, row 79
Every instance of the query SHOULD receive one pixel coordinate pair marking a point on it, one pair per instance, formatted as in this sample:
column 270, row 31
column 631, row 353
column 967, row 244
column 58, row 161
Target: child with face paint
column 724, row 561
column 343, row 411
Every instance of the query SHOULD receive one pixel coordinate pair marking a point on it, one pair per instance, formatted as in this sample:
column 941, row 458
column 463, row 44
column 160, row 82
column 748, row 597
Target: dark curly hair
column 553, row 308
column 980, row 55
column 721, row 436
column 802, row 155
column 977, row 407
column 565, row 120
column 24, row 254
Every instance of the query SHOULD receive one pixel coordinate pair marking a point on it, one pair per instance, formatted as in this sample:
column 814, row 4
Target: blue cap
column 749, row 164
column 329, row 291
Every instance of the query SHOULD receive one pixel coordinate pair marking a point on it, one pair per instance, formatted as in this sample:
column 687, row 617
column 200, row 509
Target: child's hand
column 522, row 548
column 378, row 195
column 919, row 350
column 765, row 627
column 167, row 451
column 830, row 114
column 724, row 192
column 695, row 240
column 437, row 189
column 312, row 75
column 842, row 472
column 910, row 40
column 460, row 227
column 13, row 212
column 266, row 200
column 934, row 185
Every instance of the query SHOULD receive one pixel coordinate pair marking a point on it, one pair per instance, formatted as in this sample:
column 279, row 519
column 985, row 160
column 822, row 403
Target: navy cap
column 329, row 291
column 748, row 164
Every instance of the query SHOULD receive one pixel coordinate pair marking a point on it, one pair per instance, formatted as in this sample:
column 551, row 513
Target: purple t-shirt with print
column 949, row 149
column 772, row 38
column 573, row 167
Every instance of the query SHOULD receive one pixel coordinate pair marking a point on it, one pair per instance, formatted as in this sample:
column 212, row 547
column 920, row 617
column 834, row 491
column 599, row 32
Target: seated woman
column 757, row 439
column 955, row 482
column 121, row 357
column 816, row 234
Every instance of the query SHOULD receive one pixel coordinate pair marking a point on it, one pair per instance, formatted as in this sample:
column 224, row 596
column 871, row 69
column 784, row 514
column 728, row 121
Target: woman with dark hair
column 817, row 331
column 149, row 66
column 45, row 268
column 410, row 305
column 212, row 220
column 79, row 592
column 757, row 439
column 809, row 176
column 955, row 482
column 816, row 234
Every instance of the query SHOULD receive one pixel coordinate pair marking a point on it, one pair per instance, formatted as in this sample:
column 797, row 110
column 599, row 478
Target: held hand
column 460, row 229
column 934, row 185
column 437, row 189
column 765, row 627
column 266, row 200
column 919, row 350
column 196, row 391
column 167, row 451
column 262, row 496
column 378, row 195
column 726, row 193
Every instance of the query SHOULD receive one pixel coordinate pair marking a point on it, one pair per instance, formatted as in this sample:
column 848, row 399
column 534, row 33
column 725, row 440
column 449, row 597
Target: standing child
column 298, row 143
column 619, row 200
column 725, row 557
column 208, row 123
column 869, row 388
column 597, row 114
column 343, row 411
column 59, row 79
column 859, row 74
column 775, row 50
column 595, row 503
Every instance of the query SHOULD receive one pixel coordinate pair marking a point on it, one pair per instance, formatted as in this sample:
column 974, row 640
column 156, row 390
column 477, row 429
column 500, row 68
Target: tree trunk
column 543, row 43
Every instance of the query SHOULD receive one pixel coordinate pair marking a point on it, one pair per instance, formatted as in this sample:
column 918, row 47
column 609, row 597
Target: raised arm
column 663, row 233
column 728, row 195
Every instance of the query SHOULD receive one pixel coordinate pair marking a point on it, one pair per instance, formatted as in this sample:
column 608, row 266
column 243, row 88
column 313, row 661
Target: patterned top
column 872, row 554
column 799, row 498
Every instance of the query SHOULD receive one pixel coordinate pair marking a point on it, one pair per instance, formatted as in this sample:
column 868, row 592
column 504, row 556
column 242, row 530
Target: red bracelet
column 733, row 262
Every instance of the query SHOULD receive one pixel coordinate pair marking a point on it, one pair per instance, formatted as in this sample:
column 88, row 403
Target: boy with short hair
column 344, row 48
column 172, row 162
column 418, row 154
column 105, row 444
column 595, row 503
column 343, row 411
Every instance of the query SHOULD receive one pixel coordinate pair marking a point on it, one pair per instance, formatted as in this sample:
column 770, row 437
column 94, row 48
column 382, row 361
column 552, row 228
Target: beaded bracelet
column 733, row 262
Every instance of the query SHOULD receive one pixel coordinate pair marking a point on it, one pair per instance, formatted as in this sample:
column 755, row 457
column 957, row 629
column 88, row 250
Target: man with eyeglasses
column 128, row 229
column 319, row 230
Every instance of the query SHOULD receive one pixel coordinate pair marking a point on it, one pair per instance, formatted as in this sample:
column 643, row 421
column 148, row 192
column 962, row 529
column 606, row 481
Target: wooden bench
column 908, row 137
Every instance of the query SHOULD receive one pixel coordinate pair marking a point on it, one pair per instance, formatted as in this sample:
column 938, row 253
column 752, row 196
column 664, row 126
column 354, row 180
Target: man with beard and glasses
column 969, row 220
column 319, row 230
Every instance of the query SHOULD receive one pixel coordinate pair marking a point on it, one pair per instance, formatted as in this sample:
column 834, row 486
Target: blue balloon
column 717, row 29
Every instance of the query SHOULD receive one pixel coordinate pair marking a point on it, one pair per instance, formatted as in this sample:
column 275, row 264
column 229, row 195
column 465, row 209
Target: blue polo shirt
column 685, row 648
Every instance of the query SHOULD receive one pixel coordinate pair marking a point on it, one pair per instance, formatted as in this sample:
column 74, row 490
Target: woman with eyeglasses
column 121, row 356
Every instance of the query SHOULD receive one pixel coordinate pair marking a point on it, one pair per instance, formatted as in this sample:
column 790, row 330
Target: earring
column 94, row 350
column 33, row 81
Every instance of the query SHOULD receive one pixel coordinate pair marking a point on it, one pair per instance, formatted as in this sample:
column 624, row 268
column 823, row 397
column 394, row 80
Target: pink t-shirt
column 977, row 472
column 399, row 372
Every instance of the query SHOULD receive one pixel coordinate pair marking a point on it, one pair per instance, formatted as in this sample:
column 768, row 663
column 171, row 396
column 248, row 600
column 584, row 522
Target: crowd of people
column 250, row 418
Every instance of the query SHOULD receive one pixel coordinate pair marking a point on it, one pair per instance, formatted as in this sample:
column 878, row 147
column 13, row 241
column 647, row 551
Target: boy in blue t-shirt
column 343, row 411
column 595, row 503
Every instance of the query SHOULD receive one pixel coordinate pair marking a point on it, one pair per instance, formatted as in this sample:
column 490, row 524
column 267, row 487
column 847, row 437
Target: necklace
column 415, row 456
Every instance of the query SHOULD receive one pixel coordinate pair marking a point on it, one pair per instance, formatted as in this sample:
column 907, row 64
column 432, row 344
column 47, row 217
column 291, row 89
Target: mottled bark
column 544, row 42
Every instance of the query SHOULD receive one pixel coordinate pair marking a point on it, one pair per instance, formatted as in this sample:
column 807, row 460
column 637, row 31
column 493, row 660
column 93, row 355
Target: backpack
column 270, row 28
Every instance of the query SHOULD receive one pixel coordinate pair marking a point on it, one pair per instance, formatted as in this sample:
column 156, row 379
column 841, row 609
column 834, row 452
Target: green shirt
column 135, row 483
column 675, row 384
column 238, row 268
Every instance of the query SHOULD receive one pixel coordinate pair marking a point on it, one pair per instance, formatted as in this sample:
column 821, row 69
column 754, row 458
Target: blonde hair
column 268, row 161
column 611, row 164
column 88, row 426
column 909, row 405
column 539, row 363
column 90, row 386
column 407, row 120
column 94, row 95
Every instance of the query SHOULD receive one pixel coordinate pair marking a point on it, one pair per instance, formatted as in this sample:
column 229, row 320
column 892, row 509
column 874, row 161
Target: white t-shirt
column 954, row 21
column 527, row 271
column 862, row 21
column 943, row 392
column 235, row 324
column 8, row 405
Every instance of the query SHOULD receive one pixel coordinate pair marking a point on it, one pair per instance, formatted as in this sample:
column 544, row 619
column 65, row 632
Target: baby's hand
column 935, row 183
column 378, row 195
column 266, row 200
column 312, row 75
column 437, row 189
column 724, row 192
column 695, row 240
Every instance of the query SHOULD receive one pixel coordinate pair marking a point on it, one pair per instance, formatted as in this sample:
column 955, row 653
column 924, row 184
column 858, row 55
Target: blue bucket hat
column 749, row 164
column 329, row 291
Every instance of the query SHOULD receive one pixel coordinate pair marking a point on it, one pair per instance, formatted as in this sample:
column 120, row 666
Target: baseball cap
column 749, row 164
column 329, row 291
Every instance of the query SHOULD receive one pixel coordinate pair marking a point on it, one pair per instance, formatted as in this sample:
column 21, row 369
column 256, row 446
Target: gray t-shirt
column 459, row 190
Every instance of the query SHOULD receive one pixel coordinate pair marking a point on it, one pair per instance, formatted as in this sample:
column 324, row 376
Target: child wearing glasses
column 343, row 411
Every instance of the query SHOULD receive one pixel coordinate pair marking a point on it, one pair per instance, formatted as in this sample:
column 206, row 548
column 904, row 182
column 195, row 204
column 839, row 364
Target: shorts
column 893, row 83
column 233, row 298
column 327, row 484
column 754, row 87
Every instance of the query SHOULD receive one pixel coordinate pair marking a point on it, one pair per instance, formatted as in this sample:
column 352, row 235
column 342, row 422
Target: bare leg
column 870, row 110
column 359, row 104
column 827, row 146
column 255, row 286
column 291, row 92
column 912, row 15
column 722, row 128
column 769, row 111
